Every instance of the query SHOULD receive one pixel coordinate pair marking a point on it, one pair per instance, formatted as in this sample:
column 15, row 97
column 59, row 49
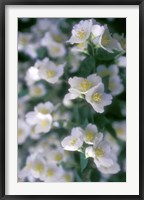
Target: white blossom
column 51, row 72
column 120, row 128
column 81, row 32
column 115, row 85
column 106, row 41
column 52, row 173
column 97, row 98
column 37, row 90
column 23, row 131
column 75, row 141
column 79, row 86
column 91, row 134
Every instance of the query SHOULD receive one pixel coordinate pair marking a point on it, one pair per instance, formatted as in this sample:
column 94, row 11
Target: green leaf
column 102, row 54
column 83, row 161
column 87, row 66
column 77, row 177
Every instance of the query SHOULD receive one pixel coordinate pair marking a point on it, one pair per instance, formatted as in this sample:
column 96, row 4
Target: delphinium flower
column 120, row 129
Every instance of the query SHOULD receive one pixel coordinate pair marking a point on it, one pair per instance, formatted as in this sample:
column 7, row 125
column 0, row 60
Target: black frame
column 3, row 3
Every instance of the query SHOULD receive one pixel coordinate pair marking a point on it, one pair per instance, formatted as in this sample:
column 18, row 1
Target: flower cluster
column 99, row 149
column 71, row 100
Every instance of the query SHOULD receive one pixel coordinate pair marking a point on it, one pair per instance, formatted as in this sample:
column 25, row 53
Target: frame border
column 3, row 3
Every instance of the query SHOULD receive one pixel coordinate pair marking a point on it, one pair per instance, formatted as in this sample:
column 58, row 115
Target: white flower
column 102, row 70
column 102, row 154
column 23, row 40
column 75, row 59
column 23, row 131
column 115, row 85
column 31, row 50
column 56, row 155
column 97, row 30
column 52, row 173
column 106, row 42
column 81, row 85
column 75, row 141
column 81, row 32
column 91, row 134
column 120, row 128
column 121, row 61
column 114, row 169
column 111, row 70
column 26, row 171
column 32, row 76
column 44, row 123
column 37, row 90
column 38, row 166
column 121, row 40
column 51, row 72
column 44, row 108
column 33, row 134
column 97, row 98
column 67, row 177
column 80, row 47
column 56, row 50
column 113, row 143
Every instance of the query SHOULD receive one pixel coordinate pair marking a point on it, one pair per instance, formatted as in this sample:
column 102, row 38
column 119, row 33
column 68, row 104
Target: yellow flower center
column 39, row 167
column 73, row 142
column 81, row 34
column 111, row 85
column 44, row 122
column 85, row 85
column 58, row 157
column 99, row 152
column 97, row 97
column 51, row 73
column 50, row 172
column 20, row 131
column 119, row 131
column 89, row 136
column 37, row 91
column 67, row 177
column 24, row 41
column 55, row 49
column 80, row 45
column 33, row 130
column 105, row 40
column 57, row 38
column 104, row 73
column 44, row 111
